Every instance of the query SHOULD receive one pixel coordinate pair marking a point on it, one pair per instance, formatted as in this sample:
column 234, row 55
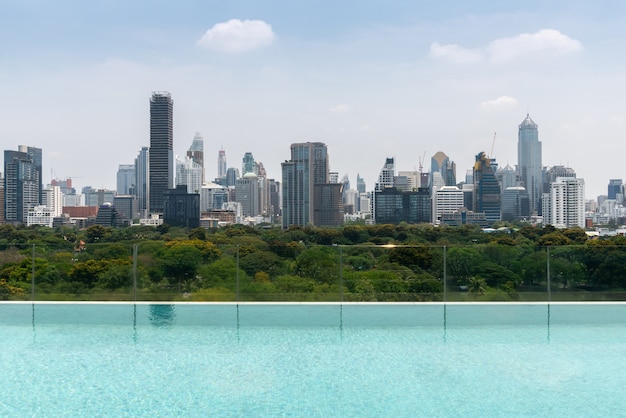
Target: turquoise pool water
column 312, row 359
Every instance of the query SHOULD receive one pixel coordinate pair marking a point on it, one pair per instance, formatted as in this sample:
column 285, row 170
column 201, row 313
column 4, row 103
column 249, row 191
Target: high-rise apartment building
column 196, row 152
column 161, row 155
column 564, row 205
column 387, row 174
column 529, row 161
column 22, row 182
column 308, row 169
column 52, row 198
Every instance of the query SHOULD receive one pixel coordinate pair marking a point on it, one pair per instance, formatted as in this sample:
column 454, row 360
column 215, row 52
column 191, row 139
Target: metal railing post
column 445, row 275
column 32, row 279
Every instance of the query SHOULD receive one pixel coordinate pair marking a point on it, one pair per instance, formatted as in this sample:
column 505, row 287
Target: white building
column 52, row 198
column 564, row 205
column 40, row 215
column 448, row 199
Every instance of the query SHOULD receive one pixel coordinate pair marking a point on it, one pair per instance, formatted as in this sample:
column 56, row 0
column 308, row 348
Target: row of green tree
column 352, row 263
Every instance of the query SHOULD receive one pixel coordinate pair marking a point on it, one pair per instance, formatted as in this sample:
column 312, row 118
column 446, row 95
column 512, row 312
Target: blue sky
column 371, row 79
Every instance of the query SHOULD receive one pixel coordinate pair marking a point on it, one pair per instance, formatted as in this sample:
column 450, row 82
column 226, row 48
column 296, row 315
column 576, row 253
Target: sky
column 370, row 79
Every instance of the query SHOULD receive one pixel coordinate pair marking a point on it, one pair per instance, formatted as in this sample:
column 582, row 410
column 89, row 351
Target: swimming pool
column 85, row 359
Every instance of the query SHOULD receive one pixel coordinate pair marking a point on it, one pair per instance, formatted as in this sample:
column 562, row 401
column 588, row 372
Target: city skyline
column 392, row 79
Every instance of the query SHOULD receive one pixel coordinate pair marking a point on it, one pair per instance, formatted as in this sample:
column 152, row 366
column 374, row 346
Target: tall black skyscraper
column 161, row 153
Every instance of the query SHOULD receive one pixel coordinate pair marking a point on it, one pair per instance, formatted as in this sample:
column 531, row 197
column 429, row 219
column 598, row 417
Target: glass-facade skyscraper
column 126, row 179
column 221, row 164
column 441, row 163
column 196, row 152
column 487, row 193
column 161, row 153
column 615, row 188
column 248, row 164
column 529, row 162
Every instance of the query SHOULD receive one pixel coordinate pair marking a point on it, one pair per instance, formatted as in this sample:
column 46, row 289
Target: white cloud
column 546, row 40
column 340, row 108
column 549, row 41
column 500, row 102
column 454, row 53
column 238, row 36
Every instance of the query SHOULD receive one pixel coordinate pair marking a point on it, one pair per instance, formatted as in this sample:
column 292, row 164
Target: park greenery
column 352, row 263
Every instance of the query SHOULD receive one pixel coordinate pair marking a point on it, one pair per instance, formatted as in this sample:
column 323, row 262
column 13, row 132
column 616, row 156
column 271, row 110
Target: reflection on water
column 162, row 315
column 548, row 322
column 445, row 323
column 34, row 332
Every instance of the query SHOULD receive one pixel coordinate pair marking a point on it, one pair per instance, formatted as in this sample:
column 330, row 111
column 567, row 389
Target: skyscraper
column 22, row 182
column 126, row 178
column 196, row 151
column 387, row 175
column 529, row 161
column 487, row 193
column 161, row 149
column 221, row 164
column 564, row 205
column 441, row 163
column 247, row 193
column 248, row 164
column 360, row 184
column 307, row 169
column 142, row 183
column 615, row 188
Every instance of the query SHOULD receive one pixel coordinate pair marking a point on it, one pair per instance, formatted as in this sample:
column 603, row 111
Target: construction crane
column 421, row 162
